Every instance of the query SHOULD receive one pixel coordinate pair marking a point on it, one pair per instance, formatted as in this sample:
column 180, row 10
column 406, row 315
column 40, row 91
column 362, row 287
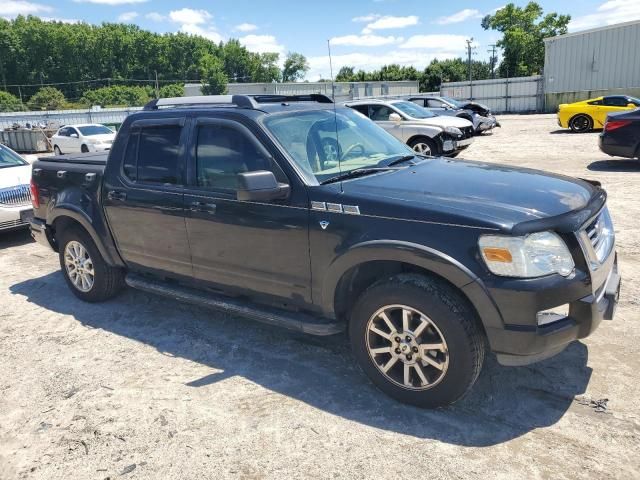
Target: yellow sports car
column 588, row 114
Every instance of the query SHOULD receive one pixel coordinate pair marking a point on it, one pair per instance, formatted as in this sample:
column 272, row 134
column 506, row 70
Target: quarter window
column 615, row 101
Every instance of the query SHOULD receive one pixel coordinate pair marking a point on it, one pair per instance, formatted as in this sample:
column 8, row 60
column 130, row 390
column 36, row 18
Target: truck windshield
column 10, row 159
column 413, row 110
column 324, row 144
column 89, row 130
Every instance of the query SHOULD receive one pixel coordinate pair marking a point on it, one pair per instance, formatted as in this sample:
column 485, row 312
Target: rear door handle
column 203, row 207
column 115, row 195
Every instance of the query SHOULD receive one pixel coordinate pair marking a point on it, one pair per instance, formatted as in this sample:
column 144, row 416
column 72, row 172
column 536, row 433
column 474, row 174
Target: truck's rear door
column 143, row 197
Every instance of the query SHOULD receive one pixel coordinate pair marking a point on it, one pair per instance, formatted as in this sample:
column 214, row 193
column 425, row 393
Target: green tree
column 172, row 90
column 451, row 70
column 47, row 98
column 524, row 29
column 10, row 103
column 345, row 74
column 264, row 67
column 117, row 95
column 295, row 67
column 214, row 78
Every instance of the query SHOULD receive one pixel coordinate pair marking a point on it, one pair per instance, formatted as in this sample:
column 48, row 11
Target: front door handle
column 115, row 195
column 203, row 207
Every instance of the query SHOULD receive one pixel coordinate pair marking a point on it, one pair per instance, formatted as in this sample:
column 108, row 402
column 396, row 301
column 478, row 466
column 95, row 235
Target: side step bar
column 296, row 321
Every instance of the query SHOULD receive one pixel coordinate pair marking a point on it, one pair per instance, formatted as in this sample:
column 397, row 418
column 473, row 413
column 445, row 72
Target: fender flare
column 72, row 211
column 428, row 258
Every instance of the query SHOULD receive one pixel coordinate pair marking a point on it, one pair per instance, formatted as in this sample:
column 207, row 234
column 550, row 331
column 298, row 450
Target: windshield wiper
column 358, row 172
column 396, row 160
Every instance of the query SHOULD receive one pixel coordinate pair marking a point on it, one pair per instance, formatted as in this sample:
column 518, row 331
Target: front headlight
column 453, row 131
column 93, row 140
column 534, row 255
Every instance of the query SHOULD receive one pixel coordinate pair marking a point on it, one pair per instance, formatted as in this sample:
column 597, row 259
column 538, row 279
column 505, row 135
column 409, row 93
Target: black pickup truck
column 308, row 216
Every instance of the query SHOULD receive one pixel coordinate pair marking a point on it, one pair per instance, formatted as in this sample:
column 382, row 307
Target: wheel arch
column 64, row 216
column 365, row 263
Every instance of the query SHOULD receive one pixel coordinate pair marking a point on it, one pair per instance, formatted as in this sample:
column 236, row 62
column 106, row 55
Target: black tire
column 84, row 149
column 56, row 150
column 107, row 280
column 581, row 123
column 416, row 143
column 455, row 322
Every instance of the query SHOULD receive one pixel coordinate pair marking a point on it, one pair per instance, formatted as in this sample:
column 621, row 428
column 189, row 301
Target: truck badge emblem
column 324, row 224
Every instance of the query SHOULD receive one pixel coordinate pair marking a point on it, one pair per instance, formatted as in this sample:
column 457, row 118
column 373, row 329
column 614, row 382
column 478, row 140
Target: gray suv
column 422, row 130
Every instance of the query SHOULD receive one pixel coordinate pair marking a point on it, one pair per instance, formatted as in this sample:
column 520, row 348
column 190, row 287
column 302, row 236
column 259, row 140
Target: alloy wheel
column 422, row 148
column 407, row 347
column 79, row 266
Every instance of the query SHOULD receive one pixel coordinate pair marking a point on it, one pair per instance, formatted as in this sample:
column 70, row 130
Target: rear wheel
column 417, row 340
column 581, row 123
column 56, row 150
column 89, row 277
column 424, row 146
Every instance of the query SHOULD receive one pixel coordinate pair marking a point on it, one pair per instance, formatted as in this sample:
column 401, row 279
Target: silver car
column 419, row 128
column 15, row 195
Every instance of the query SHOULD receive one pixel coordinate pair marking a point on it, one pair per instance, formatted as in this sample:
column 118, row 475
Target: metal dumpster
column 26, row 140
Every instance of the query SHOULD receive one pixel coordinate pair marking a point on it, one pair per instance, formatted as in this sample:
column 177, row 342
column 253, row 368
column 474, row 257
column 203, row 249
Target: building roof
column 593, row 30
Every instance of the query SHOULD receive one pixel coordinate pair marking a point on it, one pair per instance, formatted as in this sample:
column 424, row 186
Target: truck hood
column 442, row 121
column 12, row 176
column 468, row 193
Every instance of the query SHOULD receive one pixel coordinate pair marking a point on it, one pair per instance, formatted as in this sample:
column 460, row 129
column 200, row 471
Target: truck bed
column 91, row 158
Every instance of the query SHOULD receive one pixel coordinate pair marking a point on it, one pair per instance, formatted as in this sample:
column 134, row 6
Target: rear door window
column 158, row 155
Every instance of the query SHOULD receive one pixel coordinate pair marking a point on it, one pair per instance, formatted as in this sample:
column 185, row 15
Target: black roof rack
column 243, row 101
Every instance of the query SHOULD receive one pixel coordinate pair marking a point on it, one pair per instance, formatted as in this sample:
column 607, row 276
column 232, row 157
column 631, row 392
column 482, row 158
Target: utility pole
column 157, row 87
column 469, row 47
column 493, row 60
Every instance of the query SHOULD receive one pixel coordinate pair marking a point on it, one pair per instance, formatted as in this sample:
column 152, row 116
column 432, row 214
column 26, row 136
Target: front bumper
column 487, row 123
column 525, row 342
column 15, row 217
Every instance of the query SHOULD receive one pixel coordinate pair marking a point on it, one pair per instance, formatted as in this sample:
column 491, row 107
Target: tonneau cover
column 93, row 158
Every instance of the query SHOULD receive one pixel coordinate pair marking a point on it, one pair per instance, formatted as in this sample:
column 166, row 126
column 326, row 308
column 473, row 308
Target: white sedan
column 15, row 195
column 90, row 137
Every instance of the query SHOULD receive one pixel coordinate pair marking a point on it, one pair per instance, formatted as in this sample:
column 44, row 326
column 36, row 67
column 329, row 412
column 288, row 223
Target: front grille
column 467, row 132
column 15, row 196
column 598, row 238
column 12, row 224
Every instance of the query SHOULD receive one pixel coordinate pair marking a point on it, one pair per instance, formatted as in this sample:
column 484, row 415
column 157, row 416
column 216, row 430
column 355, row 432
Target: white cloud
column 63, row 20
column 127, row 16
column 388, row 22
column 245, row 27
column 111, row 2
column 155, row 17
column 460, row 16
column 208, row 33
column 365, row 40
column 608, row 13
column 190, row 16
column 13, row 8
column 262, row 44
column 437, row 43
column 366, row 18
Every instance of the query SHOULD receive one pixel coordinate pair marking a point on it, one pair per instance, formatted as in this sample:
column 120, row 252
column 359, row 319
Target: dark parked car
column 621, row 134
column 478, row 114
column 233, row 203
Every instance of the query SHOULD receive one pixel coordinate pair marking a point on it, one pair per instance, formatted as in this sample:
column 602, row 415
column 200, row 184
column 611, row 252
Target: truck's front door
column 261, row 247
column 143, row 197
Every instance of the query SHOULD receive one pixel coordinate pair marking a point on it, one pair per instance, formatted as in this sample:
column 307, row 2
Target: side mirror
column 74, row 135
column 394, row 117
column 261, row 186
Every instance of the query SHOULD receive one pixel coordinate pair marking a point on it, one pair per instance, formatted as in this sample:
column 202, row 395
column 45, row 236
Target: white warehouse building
column 591, row 63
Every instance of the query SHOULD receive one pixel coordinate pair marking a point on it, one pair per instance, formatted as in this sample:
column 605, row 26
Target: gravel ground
column 143, row 387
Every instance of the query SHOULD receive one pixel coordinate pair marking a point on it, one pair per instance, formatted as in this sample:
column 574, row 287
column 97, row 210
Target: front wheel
column 424, row 146
column 418, row 341
column 88, row 276
column 56, row 150
column 581, row 123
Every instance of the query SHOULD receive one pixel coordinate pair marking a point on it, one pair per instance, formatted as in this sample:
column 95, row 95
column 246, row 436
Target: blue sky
column 364, row 33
